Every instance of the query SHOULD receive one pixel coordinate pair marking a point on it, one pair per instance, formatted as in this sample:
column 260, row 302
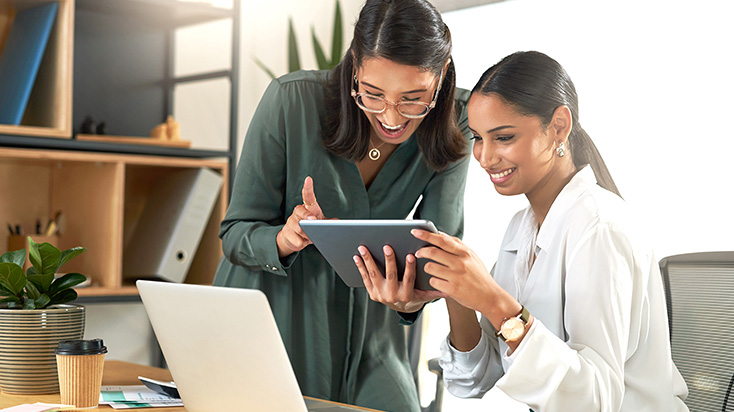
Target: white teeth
column 391, row 127
column 501, row 175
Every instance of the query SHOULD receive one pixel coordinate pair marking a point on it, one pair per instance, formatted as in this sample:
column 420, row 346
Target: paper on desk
column 135, row 396
column 36, row 407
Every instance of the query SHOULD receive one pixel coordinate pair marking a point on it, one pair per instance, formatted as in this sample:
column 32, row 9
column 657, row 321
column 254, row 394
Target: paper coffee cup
column 80, row 364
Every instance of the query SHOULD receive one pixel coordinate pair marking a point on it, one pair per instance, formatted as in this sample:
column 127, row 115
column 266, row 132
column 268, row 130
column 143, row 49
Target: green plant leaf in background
column 294, row 61
column 337, row 38
column 323, row 62
column 69, row 254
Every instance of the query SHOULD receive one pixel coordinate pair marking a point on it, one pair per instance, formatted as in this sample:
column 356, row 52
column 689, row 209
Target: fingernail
column 387, row 250
column 312, row 218
column 416, row 232
column 362, row 250
column 356, row 259
column 410, row 258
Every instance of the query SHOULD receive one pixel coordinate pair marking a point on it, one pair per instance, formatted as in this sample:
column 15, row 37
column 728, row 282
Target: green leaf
column 42, row 281
column 11, row 300
column 14, row 256
column 65, row 282
column 318, row 51
column 11, row 277
column 336, row 40
column 29, row 304
column 294, row 62
column 264, row 67
column 45, row 257
column 64, row 296
column 69, row 254
column 32, row 291
column 5, row 292
column 42, row 301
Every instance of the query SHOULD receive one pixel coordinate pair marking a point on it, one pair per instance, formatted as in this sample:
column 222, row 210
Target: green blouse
column 342, row 345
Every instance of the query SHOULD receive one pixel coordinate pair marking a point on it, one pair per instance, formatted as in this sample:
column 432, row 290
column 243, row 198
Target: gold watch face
column 512, row 329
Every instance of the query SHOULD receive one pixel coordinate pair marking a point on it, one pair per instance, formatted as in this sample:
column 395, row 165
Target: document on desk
column 135, row 396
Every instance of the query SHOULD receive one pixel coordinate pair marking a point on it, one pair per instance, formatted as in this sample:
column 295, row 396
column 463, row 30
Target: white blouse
column 599, row 341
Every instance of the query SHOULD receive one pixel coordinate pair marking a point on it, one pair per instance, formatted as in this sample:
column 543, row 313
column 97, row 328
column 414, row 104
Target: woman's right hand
column 291, row 237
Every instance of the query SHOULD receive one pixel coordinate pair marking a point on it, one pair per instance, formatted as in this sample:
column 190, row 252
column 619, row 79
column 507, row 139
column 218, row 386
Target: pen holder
column 17, row 242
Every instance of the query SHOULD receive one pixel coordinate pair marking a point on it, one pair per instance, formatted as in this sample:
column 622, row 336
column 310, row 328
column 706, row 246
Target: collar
column 579, row 184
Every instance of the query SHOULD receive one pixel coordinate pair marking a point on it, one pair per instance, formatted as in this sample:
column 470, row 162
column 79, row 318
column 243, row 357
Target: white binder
column 171, row 225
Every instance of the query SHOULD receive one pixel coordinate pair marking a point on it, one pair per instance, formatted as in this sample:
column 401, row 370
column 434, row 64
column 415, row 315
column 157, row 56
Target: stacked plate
column 28, row 339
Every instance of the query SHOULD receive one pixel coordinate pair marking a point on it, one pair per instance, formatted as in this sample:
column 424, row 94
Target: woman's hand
column 457, row 271
column 398, row 295
column 292, row 238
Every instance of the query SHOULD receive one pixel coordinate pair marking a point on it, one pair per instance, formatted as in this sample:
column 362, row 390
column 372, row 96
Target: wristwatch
column 512, row 328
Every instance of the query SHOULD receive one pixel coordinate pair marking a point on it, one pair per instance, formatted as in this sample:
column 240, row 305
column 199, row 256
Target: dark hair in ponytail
column 408, row 32
column 536, row 85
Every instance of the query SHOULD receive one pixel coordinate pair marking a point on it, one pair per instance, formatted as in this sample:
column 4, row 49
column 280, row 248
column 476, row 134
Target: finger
column 437, row 255
column 371, row 266
column 408, row 283
column 309, row 198
column 391, row 268
column 442, row 240
column 365, row 275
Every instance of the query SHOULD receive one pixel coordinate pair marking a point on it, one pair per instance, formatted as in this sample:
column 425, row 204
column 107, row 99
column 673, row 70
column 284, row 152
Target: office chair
column 414, row 336
column 699, row 289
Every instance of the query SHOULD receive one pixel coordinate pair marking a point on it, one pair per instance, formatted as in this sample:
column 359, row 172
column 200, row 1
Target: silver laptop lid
column 222, row 347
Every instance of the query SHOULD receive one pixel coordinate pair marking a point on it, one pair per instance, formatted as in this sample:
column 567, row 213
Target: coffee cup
column 80, row 364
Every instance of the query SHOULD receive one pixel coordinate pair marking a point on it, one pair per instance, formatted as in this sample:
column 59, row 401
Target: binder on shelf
column 171, row 225
column 21, row 57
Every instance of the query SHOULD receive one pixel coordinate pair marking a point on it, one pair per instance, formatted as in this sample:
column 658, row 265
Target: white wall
column 655, row 89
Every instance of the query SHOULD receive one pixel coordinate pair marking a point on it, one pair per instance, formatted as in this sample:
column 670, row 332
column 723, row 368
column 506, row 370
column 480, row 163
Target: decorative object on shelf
column 323, row 63
column 35, row 316
column 168, row 130
column 87, row 126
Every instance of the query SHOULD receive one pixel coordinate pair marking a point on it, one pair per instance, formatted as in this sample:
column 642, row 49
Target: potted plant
column 35, row 315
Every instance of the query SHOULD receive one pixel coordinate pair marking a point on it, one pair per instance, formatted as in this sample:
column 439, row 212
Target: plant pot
column 28, row 339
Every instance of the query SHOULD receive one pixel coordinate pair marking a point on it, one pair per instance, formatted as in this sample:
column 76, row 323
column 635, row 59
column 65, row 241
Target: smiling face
column 383, row 78
column 517, row 151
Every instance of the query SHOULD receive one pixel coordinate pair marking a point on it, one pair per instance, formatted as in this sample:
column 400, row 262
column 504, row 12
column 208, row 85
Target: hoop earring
column 561, row 150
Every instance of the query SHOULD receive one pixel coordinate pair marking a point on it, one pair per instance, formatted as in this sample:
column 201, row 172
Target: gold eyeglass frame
column 429, row 106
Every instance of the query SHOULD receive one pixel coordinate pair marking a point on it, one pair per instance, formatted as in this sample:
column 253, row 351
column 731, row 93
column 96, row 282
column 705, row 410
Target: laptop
column 224, row 350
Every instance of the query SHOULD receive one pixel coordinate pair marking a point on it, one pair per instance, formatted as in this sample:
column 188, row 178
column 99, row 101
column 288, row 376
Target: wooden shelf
column 111, row 60
column 101, row 196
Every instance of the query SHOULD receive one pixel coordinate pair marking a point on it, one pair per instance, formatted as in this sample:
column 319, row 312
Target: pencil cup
column 80, row 365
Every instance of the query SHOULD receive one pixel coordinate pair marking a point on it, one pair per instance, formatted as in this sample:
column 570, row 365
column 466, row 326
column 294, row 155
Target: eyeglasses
column 411, row 110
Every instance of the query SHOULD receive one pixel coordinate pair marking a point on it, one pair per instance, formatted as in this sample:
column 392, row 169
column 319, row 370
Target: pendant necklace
column 374, row 153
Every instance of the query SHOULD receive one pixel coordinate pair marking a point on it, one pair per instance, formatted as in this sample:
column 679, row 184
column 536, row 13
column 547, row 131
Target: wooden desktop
column 115, row 373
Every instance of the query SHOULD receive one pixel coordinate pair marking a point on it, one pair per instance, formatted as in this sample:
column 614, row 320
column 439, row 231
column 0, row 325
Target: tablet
column 337, row 240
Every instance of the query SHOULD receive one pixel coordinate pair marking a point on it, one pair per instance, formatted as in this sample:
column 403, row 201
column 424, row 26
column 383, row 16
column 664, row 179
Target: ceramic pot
column 28, row 339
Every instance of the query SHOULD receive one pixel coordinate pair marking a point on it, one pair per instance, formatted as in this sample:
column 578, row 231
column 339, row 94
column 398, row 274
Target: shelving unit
column 111, row 59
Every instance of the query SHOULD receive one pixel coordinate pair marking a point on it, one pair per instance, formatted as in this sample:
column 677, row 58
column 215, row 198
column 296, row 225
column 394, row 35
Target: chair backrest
column 699, row 290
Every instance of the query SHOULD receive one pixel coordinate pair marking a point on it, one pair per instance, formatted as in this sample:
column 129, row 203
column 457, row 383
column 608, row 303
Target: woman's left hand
column 398, row 295
column 457, row 271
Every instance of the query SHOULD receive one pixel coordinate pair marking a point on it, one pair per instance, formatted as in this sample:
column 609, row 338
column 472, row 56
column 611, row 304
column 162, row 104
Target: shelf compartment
column 48, row 112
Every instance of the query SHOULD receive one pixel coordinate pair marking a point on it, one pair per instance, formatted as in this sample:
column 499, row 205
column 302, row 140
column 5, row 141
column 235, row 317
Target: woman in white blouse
column 573, row 315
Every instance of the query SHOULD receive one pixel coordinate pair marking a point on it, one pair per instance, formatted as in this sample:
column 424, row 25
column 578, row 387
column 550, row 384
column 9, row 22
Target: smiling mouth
column 502, row 174
column 393, row 131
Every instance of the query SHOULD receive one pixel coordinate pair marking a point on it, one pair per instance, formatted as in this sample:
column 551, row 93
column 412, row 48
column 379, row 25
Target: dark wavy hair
column 408, row 32
column 536, row 85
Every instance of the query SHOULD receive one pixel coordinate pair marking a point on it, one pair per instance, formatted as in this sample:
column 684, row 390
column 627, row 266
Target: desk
column 115, row 373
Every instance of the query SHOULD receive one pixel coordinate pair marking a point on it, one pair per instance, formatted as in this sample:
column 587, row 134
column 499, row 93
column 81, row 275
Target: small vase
column 28, row 339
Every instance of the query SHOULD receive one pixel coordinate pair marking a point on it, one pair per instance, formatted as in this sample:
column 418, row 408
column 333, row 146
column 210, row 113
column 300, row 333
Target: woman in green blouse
column 368, row 140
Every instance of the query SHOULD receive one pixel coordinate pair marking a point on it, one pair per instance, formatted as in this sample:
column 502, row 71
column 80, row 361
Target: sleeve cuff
column 268, row 253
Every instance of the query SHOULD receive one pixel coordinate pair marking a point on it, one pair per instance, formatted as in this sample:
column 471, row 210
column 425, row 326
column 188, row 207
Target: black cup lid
column 81, row 347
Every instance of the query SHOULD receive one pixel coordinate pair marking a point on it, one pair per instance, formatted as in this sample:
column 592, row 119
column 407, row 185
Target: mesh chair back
column 700, row 296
